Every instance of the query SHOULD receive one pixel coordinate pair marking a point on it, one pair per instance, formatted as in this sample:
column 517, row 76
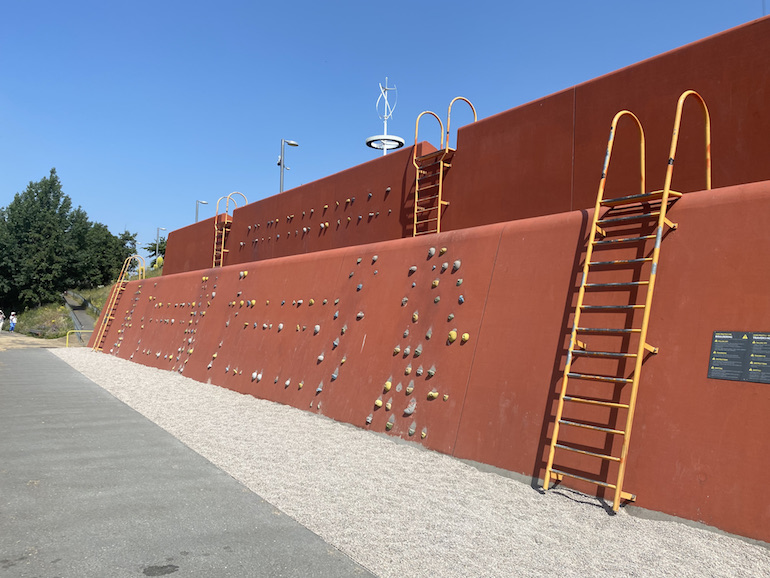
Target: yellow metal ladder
column 222, row 224
column 595, row 411
column 430, row 170
column 112, row 303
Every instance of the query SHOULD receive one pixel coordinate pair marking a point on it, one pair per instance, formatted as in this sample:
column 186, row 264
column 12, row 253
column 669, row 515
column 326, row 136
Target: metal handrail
column 675, row 138
column 449, row 114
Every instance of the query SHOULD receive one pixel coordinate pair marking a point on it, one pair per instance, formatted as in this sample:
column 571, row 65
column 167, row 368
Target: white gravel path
column 400, row 510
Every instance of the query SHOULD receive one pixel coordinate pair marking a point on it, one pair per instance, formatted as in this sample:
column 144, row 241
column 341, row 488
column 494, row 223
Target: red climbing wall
column 327, row 332
column 541, row 158
column 360, row 330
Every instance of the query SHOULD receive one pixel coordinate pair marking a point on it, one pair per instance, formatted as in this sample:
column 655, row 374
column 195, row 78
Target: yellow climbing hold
column 388, row 385
column 432, row 394
column 466, row 337
column 452, row 336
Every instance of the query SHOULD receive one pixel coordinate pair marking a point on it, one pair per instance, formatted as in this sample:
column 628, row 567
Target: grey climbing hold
column 407, row 351
column 459, row 281
column 431, row 252
column 444, row 266
column 461, row 299
column 336, row 314
column 374, row 258
column 411, row 407
column 413, row 269
column 456, row 266
column 360, row 315
column 437, row 299
column 450, row 317
column 316, row 329
column 418, row 351
column 404, row 301
column 359, row 286
column 335, row 343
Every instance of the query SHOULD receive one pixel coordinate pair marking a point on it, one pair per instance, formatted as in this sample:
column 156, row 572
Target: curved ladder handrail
column 449, row 115
column 675, row 138
column 228, row 200
column 608, row 155
column 416, row 129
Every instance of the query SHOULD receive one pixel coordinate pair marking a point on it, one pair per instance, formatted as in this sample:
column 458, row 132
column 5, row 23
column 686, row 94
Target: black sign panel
column 740, row 356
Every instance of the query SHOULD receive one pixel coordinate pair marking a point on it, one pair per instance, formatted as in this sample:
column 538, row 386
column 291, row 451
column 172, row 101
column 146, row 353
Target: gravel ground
column 400, row 510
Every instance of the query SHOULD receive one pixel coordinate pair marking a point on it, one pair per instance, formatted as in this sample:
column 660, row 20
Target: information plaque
column 740, row 356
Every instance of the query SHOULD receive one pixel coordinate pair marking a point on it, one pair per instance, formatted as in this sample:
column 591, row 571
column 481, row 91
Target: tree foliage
column 161, row 250
column 46, row 246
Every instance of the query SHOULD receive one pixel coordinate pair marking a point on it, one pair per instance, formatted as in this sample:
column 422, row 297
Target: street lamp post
column 281, row 162
column 157, row 241
column 196, row 208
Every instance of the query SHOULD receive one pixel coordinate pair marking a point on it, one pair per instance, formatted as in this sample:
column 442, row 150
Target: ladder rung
column 587, row 453
column 624, row 240
column 597, row 482
column 620, row 262
column 628, row 219
column 640, row 198
column 607, row 330
column 629, row 284
column 427, row 198
column 608, row 354
column 427, row 220
column 591, row 377
column 596, row 402
column 592, row 427
column 610, row 307
column 425, row 232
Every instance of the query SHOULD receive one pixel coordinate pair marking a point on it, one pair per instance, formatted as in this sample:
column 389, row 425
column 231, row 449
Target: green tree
column 161, row 252
column 46, row 246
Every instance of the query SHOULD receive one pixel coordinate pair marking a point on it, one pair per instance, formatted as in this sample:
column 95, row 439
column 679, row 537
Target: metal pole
column 281, row 160
column 157, row 241
column 196, row 208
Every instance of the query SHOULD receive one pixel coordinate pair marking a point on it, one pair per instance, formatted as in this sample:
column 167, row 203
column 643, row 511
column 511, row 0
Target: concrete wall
column 698, row 445
column 542, row 158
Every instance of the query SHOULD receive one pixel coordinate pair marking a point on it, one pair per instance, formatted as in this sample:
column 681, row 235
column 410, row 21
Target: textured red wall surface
column 320, row 332
column 190, row 248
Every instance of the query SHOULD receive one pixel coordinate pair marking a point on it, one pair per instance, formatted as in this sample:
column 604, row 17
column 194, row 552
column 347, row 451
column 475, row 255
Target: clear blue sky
column 145, row 106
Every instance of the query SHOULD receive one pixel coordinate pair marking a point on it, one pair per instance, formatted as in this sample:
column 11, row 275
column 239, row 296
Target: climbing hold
column 456, row 266
column 412, row 428
column 360, row 286
column 410, row 387
column 436, row 299
column 389, row 425
column 431, row 252
column 311, row 302
column 369, row 419
column 407, row 351
column 316, row 329
column 350, row 275
column 412, row 269
column 388, row 405
column 335, row 374
column 378, row 402
column 358, row 261
column 335, row 343
column 446, row 396
column 418, row 351
column 432, row 371
column 461, row 299
column 415, row 317
column 452, row 336
column 408, row 370
column 253, row 302
column 287, row 382
column 404, row 301
column 300, row 385
column 396, row 350
column 432, row 394
column 465, row 337
column 320, row 387
column 429, row 334
column 411, row 407
column 424, row 433
column 374, row 258
column 450, row 317
column 406, row 332
column 336, row 314
column 280, row 327
column 444, row 266
column 435, row 283
column 360, row 315
column 320, row 358
column 343, row 330
column 387, row 386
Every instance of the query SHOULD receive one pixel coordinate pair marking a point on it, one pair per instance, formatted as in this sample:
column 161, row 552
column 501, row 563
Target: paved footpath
column 90, row 488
